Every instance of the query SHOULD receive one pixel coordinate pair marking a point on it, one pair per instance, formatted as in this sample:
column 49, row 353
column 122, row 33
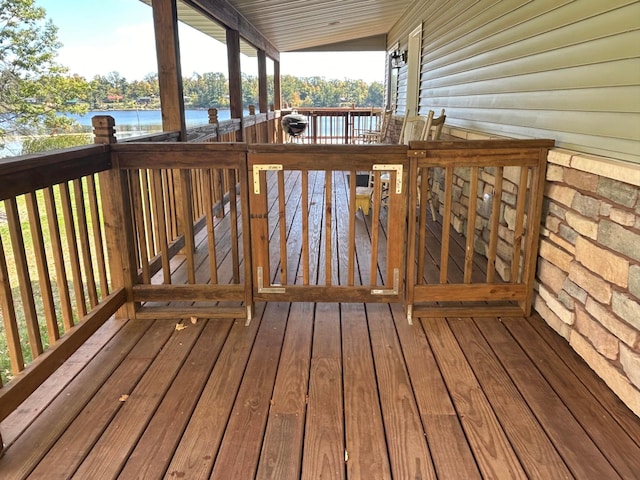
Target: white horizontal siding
column 567, row 70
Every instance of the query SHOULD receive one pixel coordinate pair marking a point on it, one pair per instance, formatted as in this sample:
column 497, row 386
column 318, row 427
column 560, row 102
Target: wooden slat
column 281, row 455
column 323, row 454
column 24, row 277
column 240, row 447
column 85, row 246
column 471, row 225
column 72, row 247
column 160, row 223
column 42, row 266
column 328, row 228
column 366, row 448
column 519, row 226
column 470, row 292
column 282, row 222
column 495, row 221
column 96, row 222
column 491, row 447
column 446, row 225
column 141, row 228
column 58, row 258
column 9, row 317
column 211, row 236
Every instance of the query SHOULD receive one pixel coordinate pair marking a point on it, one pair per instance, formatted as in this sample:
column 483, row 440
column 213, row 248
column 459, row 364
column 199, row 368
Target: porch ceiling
column 303, row 25
column 297, row 25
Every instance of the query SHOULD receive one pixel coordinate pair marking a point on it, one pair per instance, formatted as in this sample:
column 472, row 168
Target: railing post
column 104, row 129
column 213, row 120
column 116, row 208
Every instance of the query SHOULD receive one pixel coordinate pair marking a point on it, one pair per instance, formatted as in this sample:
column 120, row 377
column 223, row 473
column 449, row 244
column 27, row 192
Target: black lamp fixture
column 398, row 58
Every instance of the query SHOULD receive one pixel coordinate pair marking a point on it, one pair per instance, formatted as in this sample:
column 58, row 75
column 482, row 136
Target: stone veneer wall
column 589, row 265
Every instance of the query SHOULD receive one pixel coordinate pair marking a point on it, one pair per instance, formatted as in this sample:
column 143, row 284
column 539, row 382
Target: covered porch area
column 180, row 385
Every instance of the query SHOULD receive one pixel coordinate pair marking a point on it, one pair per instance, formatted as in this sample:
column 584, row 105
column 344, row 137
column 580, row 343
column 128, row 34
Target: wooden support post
column 165, row 21
column 277, row 90
column 235, row 77
column 263, row 91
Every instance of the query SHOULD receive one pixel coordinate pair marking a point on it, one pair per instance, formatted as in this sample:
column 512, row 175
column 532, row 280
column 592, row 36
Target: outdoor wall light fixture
column 398, row 58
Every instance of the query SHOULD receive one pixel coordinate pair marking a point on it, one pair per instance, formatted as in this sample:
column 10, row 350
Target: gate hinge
column 256, row 174
column 262, row 288
column 392, row 167
column 396, row 285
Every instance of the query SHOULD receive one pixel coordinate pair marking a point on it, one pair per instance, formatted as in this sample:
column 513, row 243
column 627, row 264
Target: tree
column 33, row 87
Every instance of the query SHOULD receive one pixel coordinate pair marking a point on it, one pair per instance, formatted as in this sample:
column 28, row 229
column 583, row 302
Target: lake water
column 129, row 123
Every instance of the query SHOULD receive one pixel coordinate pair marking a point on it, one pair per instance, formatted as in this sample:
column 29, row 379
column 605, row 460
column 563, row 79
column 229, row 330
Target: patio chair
column 433, row 130
column 414, row 127
column 377, row 135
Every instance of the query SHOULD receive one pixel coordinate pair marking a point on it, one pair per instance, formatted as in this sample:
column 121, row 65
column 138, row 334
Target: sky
column 102, row 36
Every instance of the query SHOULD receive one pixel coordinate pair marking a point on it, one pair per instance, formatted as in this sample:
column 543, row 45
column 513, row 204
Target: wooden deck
column 323, row 391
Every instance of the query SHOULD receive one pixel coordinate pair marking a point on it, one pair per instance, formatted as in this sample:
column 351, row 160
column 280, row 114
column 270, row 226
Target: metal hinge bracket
column 256, row 174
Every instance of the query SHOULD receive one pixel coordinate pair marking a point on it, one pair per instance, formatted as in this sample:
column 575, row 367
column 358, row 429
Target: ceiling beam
column 222, row 12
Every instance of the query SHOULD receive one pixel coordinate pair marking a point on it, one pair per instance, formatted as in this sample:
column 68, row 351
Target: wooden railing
column 178, row 206
column 55, row 283
column 336, row 125
column 130, row 227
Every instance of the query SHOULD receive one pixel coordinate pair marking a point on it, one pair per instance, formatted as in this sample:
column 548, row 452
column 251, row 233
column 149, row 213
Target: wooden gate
column 309, row 239
column 473, row 243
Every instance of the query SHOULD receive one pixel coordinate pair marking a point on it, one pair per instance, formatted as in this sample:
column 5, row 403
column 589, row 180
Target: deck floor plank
column 116, row 442
column 152, row 453
column 581, row 455
column 195, row 454
column 242, row 442
column 366, row 449
column 323, row 453
column 408, row 452
column 607, row 435
column 28, row 449
column 449, row 449
column 618, row 410
column 492, row 449
column 281, row 455
column 535, row 451
column 85, row 430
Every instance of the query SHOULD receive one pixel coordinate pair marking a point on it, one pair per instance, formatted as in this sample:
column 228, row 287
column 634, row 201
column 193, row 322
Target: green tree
column 33, row 87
